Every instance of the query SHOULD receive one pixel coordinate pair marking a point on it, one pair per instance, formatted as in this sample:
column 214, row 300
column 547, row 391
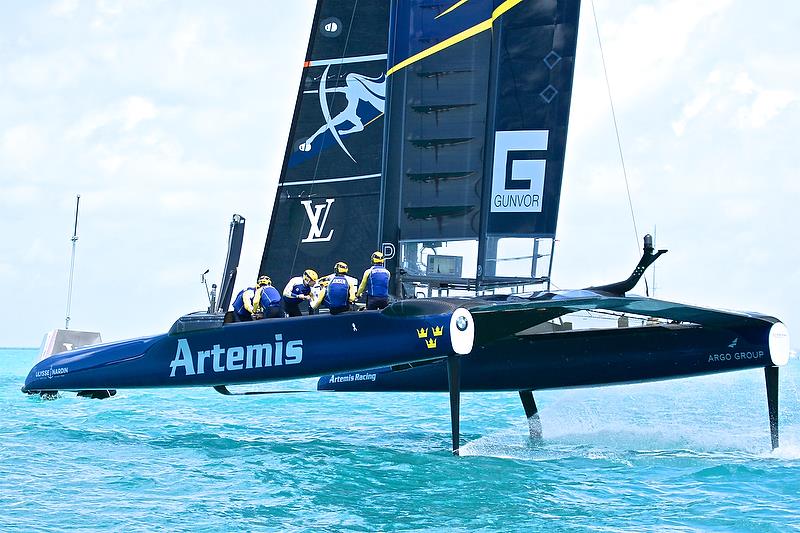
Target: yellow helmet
column 263, row 280
column 377, row 258
column 310, row 277
column 340, row 267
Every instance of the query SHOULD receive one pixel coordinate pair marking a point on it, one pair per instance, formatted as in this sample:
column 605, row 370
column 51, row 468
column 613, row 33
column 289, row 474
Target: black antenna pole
column 72, row 261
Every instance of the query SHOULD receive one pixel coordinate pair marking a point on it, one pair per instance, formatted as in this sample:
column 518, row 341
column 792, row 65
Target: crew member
column 353, row 282
column 297, row 290
column 375, row 283
column 337, row 294
column 243, row 305
column 267, row 300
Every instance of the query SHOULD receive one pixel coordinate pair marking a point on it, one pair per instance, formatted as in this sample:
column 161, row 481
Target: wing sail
column 479, row 98
column 326, row 208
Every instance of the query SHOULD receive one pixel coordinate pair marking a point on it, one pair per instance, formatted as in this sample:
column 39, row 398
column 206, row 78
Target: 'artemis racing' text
column 353, row 377
column 738, row 356
column 237, row 357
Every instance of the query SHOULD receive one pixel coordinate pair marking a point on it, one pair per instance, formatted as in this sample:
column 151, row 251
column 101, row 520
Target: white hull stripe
column 329, row 180
column 344, row 60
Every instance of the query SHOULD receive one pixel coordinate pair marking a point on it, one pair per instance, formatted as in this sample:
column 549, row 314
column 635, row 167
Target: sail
column 464, row 192
column 478, row 105
column 328, row 199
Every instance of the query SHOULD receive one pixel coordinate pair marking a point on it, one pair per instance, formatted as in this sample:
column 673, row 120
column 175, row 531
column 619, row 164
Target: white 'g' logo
column 520, row 160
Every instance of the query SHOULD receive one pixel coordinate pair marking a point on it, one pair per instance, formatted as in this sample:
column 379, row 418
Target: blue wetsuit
column 293, row 294
column 270, row 300
column 376, row 284
column 240, row 305
column 337, row 294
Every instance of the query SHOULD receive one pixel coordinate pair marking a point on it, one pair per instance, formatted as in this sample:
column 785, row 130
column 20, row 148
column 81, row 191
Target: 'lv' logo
column 314, row 213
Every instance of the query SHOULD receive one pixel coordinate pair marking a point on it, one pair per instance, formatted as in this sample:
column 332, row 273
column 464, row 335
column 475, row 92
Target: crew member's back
column 268, row 298
column 375, row 283
column 336, row 293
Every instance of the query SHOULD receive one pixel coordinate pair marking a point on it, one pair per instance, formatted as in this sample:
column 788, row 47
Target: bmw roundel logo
column 461, row 323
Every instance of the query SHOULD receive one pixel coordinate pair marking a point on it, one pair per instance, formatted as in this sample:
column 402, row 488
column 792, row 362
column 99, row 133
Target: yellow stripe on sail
column 502, row 8
column 373, row 120
column 457, row 38
column 451, row 8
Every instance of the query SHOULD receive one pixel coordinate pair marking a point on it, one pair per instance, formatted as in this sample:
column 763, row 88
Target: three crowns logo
column 436, row 331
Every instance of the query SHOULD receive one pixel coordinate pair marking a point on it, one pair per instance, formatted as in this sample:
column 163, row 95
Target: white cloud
column 135, row 110
column 108, row 53
column 185, row 201
column 24, row 144
column 643, row 49
column 6, row 271
column 692, row 110
column 53, row 70
column 767, row 105
column 734, row 97
column 185, row 39
column 110, row 163
column 109, row 7
column 38, row 252
column 743, row 84
column 108, row 13
column 21, row 195
column 88, row 125
column 126, row 114
column 733, row 208
column 63, row 8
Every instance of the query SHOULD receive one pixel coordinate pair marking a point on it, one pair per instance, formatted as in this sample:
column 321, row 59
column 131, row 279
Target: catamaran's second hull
column 581, row 359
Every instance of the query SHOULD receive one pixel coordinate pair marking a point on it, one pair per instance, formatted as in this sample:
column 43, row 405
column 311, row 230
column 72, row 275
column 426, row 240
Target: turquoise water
column 686, row 455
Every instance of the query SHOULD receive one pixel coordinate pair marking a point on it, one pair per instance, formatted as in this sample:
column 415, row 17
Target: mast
column 74, row 240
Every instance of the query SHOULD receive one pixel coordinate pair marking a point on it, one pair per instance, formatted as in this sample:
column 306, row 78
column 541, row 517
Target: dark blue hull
column 432, row 345
column 579, row 359
column 265, row 350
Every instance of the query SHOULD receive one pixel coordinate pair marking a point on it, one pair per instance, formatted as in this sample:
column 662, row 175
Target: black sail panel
column 478, row 105
column 437, row 127
column 475, row 97
column 535, row 58
column 327, row 204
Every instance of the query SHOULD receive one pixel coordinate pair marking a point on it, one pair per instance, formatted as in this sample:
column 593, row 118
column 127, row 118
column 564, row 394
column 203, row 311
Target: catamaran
column 435, row 132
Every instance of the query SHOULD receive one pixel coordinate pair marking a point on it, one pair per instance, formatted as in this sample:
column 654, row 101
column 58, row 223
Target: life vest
column 295, row 288
column 378, row 281
column 338, row 292
column 238, row 303
column 268, row 297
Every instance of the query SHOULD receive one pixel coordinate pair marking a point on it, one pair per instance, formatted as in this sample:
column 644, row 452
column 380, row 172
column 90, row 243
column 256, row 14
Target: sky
column 169, row 116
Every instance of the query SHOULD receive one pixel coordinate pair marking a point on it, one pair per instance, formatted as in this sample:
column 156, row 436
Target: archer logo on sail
column 518, row 171
column 315, row 213
column 365, row 99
